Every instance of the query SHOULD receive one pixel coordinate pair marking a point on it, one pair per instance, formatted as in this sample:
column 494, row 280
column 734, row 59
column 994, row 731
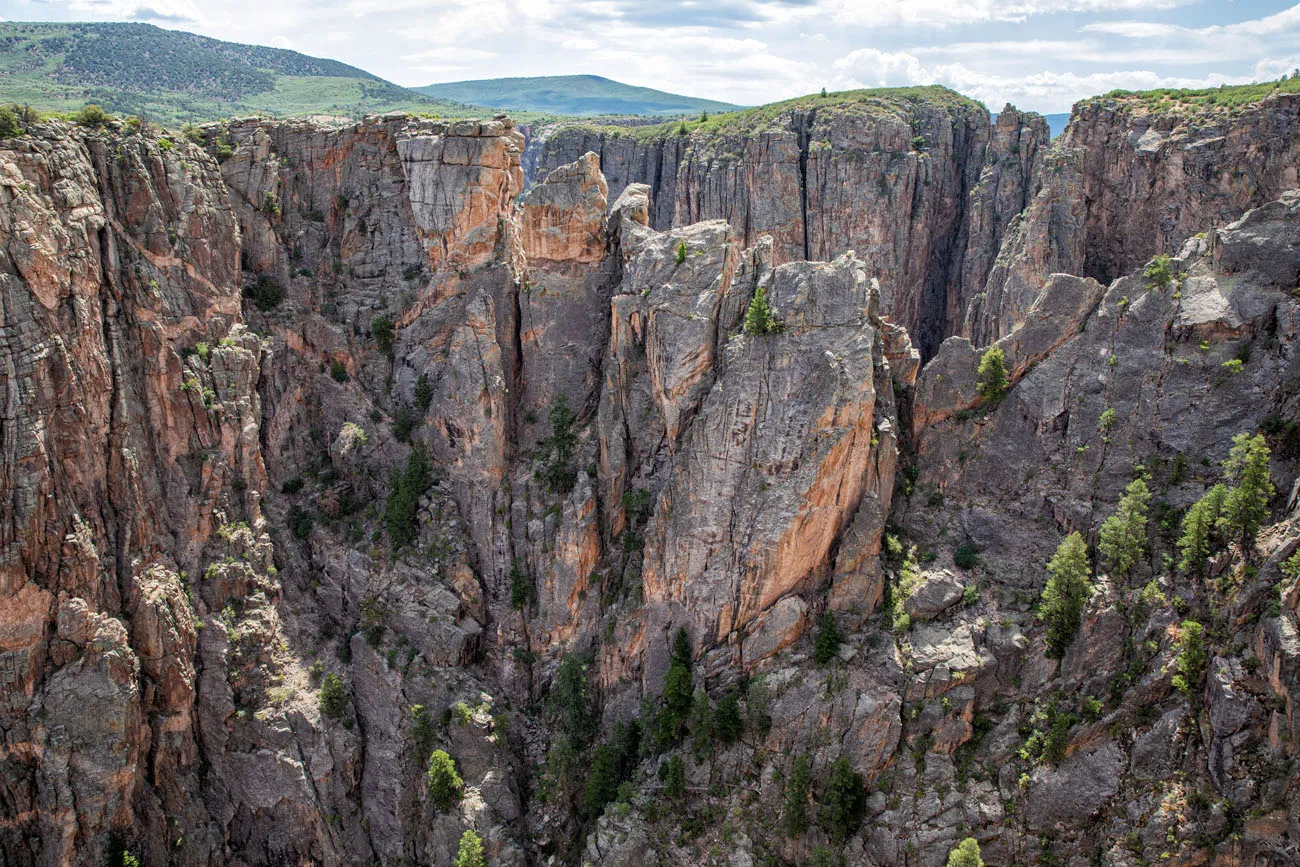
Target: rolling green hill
column 170, row 76
column 583, row 95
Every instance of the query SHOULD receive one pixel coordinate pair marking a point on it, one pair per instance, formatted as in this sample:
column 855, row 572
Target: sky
column 1035, row 54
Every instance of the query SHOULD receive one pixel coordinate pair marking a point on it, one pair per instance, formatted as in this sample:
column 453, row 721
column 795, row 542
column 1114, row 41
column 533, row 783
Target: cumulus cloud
column 1039, row 54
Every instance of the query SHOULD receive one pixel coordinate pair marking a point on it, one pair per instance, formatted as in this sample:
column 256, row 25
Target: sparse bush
column 384, row 334
column 827, row 642
column 521, row 588
column 470, row 853
column 760, row 318
column 1158, row 273
column 674, row 778
column 444, row 782
column 266, row 293
column 338, row 372
column 333, row 696
column 680, row 254
column 991, row 378
column 91, row 115
column 965, row 557
column 967, row 854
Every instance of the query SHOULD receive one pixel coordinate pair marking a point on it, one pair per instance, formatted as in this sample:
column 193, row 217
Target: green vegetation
column 991, row 378
column 1223, row 99
column 405, row 487
column 1199, row 527
column 1123, row 540
column 266, row 293
column 1158, row 274
column 602, row 782
column 522, row 592
column 571, row 698
column 674, row 778
column 470, row 853
column 583, row 95
column 965, row 556
column 423, row 394
column 333, row 697
column 384, row 334
column 827, row 641
column 444, row 782
column 1066, row 593
column 556, row 470
column 338, row 372
column 794, row 805
column 967, row 854
column 9, row 123
column 843, row 803
column 171, row 77
column 890, row 102
column 1245, row 508
column 760, row 318
column 677, row 699
column 1191, row 656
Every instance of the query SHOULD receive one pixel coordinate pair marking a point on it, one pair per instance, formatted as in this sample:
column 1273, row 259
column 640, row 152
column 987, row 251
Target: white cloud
column 946, row 13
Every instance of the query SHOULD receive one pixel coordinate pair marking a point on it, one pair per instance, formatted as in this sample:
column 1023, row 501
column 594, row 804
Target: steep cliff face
column 326, row 448
column 1132, row 177
column 918, row 184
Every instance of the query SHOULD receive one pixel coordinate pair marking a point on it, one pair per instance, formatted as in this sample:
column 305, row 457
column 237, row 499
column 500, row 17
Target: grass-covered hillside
column 170, row 76
column 873, row 101
column 582, row 95
column 1226, row 99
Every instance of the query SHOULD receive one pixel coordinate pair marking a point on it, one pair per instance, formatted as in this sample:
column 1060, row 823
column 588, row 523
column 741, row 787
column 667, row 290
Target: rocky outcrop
column 326, row 448
column 1132, row 177
column 920, row 186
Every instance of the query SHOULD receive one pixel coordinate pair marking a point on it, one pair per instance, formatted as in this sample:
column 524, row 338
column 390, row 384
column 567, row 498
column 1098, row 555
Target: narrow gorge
column 686, row 498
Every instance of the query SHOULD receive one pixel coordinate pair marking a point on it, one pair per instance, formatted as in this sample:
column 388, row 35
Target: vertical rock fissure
column 803, row 130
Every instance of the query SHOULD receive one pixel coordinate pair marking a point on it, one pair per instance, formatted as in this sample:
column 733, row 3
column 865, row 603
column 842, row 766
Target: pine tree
column 726, row 720
column 760, row 318
column 843, row 803
column 1066, row 593
column 674, row 778
column 1245, row 509
column 555, row 452
column 1198, row 530
column 967, row 854
column 991, row 377
column 333, row 696
column 1123, row 539
column 602, row 782
column 444, row 782
column 470, row 853
column 828, row 640
column 798, row 787
column 571, row 695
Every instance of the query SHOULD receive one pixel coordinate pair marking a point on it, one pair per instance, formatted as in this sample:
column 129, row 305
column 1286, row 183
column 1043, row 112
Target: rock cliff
column 330, row 448
column 917, row 182
column 1133, row 176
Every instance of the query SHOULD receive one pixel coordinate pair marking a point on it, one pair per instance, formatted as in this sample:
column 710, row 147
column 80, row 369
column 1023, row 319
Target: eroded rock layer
column 326, row 449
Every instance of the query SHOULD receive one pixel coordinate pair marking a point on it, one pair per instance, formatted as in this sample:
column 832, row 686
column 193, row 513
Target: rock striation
column 330, row 447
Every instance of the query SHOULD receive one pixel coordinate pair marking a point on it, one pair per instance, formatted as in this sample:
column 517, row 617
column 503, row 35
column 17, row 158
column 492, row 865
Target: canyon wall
column 918, row 183
column 329, row 447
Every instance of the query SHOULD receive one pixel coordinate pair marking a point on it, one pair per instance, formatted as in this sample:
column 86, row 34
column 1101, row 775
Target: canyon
column 329, row 447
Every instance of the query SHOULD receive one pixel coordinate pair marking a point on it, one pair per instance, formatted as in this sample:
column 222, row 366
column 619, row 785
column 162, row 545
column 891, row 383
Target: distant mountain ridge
column 582, row 95
column 172, row 76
